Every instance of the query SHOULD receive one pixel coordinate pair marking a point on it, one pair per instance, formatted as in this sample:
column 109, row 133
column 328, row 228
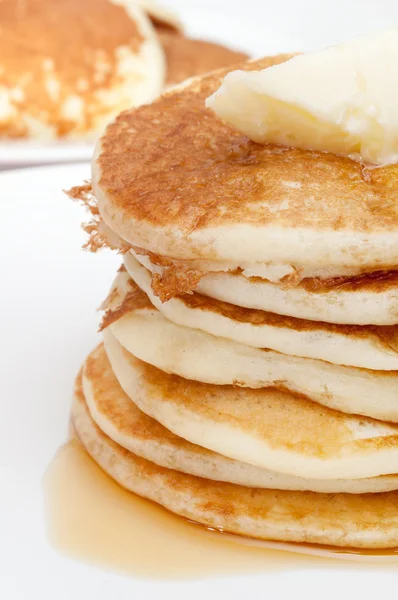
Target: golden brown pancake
column 186, row 57
column 363, row 521
column 360, row 296
column 369, row 347
column 196, row 355
column 268, row 428
column 180, row 276
column 174, row 179
column 124, row 296
column 64, row 64
column 120, row 418
column 373, row 304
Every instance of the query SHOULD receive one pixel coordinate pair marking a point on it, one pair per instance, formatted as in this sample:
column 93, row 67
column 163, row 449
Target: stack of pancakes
column 248, row 374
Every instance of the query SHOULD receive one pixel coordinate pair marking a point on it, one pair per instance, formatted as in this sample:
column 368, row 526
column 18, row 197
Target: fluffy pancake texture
column 374, row 302
column 67, row 69
column 268, row 427
column 173, row 179
column 368, row 347
column 363, row 521
column 370, row 301
column 120, row 418
column 196, row 355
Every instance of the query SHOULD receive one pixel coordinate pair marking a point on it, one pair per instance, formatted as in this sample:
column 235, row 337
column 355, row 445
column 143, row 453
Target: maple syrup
column 93, row 519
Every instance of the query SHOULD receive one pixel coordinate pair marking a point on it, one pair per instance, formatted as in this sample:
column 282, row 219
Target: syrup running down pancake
column 367, row 520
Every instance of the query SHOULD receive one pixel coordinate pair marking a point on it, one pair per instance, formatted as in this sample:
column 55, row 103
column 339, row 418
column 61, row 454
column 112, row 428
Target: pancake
column 373, row 303
column 285, row 273
column 118, row 417
column 370, row 302
column 148, row 335
column 355, row 298
column 174, row 270
column 187, row 57
column 267, row 428
column 173, row 179
column 67, row 68
column 369, row 347
column 362, row 521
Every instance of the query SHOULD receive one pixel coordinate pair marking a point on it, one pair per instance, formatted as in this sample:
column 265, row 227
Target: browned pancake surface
column 115, row 405
column 285, row 420
column 317, row 516
column 120, row 302
column 187, row 57
column 174, row 164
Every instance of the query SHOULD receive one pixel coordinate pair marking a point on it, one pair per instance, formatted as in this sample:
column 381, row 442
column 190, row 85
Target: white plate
column 18, row 153
column 50, row 289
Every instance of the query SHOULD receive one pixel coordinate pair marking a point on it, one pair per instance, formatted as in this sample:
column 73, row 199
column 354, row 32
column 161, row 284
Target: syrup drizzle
column 92, row 519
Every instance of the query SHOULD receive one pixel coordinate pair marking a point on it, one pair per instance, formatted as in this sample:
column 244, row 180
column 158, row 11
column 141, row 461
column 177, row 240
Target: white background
column 271, row 26
column 50, row 290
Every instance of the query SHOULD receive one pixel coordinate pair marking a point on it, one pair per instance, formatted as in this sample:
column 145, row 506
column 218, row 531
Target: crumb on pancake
column 167, row 285
column 99, row 235
column 84, row 194
column 175, row 278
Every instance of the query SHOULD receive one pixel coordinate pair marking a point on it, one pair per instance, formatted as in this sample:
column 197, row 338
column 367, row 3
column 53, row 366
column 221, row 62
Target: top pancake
column 69, row 67
column 170, row 177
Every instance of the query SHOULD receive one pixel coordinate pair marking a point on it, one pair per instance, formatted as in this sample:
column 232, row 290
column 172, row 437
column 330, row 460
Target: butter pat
column 342, row 100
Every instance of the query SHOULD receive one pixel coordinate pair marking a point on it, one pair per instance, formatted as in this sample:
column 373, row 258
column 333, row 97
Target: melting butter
column 341, row 100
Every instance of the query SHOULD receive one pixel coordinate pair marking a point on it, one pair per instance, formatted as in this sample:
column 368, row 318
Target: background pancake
column 119, row 417
column 67, row 68
column 200, row 189
column 186, row 57
column 267, row 428
column 367, row 347
column 193, row 354
column 363, row 521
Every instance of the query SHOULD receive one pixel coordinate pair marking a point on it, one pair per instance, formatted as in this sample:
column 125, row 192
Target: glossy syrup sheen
column 92, row 519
